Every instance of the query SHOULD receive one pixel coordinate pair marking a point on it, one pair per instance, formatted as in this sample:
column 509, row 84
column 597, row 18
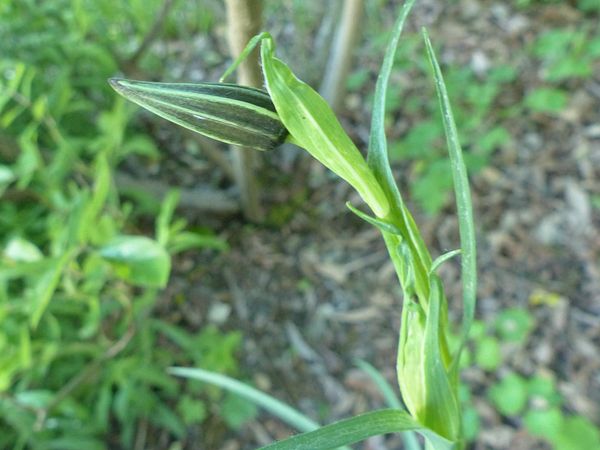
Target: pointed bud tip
column 114, row 82
column 118, row 84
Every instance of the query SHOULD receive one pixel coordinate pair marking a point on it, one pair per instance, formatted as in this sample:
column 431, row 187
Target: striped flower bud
column 229, row 113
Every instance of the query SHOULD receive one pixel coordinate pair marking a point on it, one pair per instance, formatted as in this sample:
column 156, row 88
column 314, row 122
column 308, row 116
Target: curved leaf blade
column 378, row 160
column 463, row 198
column 359, row 428
column 379, row 223
column 313, row 126
column 286, row 413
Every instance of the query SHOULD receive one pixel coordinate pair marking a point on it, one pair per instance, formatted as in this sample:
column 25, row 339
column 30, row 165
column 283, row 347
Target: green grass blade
column 286, row 413
column 359, row 428
column 393, row 400
column 463, row 198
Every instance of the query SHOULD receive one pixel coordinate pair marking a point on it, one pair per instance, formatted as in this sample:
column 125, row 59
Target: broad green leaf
column 313, row 126
column 138, row 260
column 359, row 428
column 514, row 324
column 544, row 423
column 509, row 396
column 577, row 433
column 463, row 200
column 21, row 250
column 543, row 386
column 488, row 355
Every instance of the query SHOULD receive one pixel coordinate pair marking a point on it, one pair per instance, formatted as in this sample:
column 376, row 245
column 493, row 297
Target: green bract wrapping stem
column 313, row 126
column 229, row 113
column 428, row 390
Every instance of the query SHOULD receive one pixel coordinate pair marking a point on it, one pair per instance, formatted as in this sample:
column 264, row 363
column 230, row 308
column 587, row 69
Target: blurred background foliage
column 82, row 355
column 82, row 263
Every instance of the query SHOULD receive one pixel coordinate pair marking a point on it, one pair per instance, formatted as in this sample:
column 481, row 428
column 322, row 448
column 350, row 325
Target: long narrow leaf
column 378, row 156
column 378, row 159
column 250, row 46
column 359, row 428
column 286, row 413
column 45, row 287
column 463, row 198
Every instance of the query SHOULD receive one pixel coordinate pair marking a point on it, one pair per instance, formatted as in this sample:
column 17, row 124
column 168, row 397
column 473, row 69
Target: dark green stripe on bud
column 229, row 113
